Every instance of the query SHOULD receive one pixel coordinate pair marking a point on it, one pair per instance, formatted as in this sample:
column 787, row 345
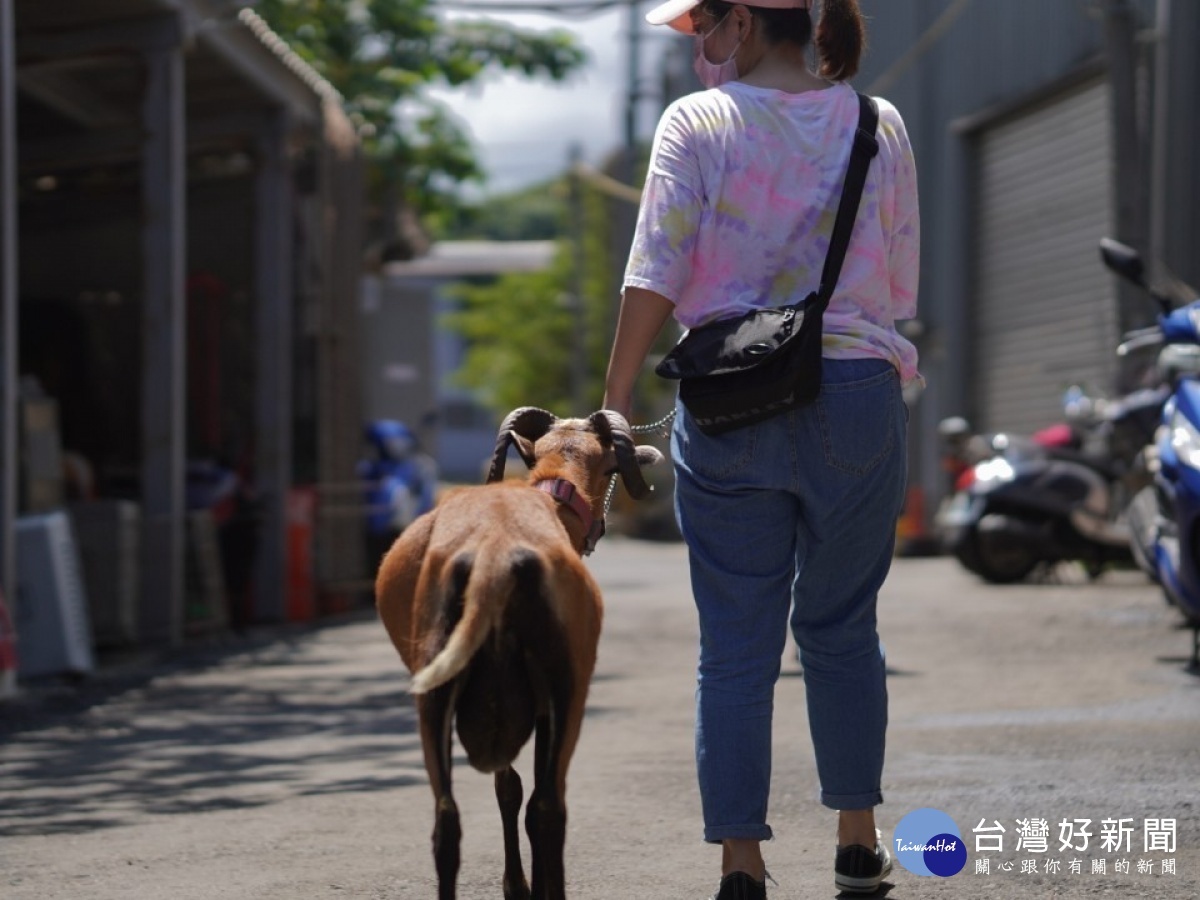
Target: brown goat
column 493, row 611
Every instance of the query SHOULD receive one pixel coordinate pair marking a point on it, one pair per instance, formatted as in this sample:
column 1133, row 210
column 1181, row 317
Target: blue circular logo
column 928, row 842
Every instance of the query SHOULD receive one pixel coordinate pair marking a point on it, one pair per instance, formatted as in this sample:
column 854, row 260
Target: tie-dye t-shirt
column 739, row 204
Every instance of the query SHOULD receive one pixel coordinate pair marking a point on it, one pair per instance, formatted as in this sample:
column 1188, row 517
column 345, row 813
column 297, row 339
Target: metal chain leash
column 661, row 427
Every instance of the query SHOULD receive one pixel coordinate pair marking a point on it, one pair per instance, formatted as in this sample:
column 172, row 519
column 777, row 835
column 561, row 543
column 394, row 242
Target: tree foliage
column 382, row 55
column 535, row 213
column 521, row 329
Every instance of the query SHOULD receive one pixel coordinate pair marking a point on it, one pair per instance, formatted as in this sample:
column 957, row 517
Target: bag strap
column 864, row 149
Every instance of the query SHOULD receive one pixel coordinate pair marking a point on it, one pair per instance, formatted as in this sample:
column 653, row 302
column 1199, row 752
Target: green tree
column 521, row 329
column 382, row 55
column 535, row 213
column 520, row 335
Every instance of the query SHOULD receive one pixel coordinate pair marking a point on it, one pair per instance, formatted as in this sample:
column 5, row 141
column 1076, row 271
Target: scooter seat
column 1099, row 464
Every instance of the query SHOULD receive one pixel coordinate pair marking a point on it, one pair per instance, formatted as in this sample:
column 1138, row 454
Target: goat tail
column 484, row 585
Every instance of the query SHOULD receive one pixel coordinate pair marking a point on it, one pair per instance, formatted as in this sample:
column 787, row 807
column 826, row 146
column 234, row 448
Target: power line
column 917, row 50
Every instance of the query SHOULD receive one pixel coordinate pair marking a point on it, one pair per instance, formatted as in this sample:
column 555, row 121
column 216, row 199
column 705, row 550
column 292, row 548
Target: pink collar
column 564, row 492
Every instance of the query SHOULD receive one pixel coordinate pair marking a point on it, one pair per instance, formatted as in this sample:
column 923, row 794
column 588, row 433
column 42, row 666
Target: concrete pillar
column 8, row 304
column 273, row 384
column 164, row 197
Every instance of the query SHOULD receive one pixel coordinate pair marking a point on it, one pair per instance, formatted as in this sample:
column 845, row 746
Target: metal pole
column 634, row 38
column 1128, row 179
column 622, row 167
column 8, row 305
column 1159, row 130
column 1122, row 73
column 579, row 329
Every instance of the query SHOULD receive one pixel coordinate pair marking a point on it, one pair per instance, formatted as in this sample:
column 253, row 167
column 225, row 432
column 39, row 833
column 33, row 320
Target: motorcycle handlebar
column 1137, row 340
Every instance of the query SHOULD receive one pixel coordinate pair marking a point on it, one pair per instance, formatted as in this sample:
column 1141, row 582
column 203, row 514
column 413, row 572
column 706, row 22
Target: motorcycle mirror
column 1123, row 260
column 953, row 427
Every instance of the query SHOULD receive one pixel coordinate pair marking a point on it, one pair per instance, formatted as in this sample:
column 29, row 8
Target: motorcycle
column 1055, row 496
column 1164, row 517
column 399, row 483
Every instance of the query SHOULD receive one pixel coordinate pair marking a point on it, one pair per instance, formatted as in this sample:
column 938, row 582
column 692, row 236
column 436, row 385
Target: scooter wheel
column 999, row 565
column 1141, row 515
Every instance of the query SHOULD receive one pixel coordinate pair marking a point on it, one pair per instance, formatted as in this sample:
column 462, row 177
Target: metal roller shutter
column 1044, row 313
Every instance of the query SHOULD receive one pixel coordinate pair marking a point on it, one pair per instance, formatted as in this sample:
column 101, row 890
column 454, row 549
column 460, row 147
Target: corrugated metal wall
column 992, row 63
column 1044, row 314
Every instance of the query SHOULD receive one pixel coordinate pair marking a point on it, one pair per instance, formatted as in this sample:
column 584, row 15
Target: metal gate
column 1045, row 315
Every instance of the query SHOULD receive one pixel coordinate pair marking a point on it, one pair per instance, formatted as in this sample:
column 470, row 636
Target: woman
column 795, row 514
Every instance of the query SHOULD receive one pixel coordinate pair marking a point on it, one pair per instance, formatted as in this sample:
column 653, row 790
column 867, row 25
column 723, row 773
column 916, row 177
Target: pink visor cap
column 675, row 12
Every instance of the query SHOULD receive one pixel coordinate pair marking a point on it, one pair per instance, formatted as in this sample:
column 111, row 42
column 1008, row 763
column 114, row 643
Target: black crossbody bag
column 748, row 368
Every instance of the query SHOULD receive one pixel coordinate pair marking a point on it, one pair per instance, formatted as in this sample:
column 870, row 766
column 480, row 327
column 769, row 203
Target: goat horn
column 529, row 422
column 613, row 426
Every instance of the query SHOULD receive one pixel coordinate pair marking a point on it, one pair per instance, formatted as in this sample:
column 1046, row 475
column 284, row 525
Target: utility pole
column 579, row 319
column 634, row 38
column 623, row 217
column 1159, row 129
column 1120, row 30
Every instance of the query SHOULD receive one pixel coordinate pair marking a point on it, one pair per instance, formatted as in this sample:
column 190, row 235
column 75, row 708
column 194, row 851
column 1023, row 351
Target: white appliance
column 53, row 632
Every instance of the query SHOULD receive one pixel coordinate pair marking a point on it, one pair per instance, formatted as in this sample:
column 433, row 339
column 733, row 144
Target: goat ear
column 647, row 455
column 611, row 426
column 524, row 446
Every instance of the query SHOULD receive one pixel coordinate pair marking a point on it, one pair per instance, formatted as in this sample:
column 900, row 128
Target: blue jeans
column 796, row 514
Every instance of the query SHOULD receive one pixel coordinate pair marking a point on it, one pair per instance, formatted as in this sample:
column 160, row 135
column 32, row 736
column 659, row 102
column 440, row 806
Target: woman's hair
column 841, row 34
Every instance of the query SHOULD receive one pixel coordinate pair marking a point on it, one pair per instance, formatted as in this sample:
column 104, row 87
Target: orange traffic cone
column 912, row 534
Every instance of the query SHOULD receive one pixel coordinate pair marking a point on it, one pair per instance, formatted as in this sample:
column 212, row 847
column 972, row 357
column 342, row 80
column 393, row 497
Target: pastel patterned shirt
column 738, row 208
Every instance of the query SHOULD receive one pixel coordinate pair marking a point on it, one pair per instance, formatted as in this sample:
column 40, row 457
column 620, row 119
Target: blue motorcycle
column 1164, row 519
column 399, row 483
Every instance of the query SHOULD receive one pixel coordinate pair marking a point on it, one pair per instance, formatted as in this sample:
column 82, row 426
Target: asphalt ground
column 284, row 763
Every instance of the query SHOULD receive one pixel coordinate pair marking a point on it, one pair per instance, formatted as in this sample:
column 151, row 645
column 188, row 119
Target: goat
column 491, row 608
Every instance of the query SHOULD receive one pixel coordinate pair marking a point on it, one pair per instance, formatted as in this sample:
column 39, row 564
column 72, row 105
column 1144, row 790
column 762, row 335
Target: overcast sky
column 524, row 130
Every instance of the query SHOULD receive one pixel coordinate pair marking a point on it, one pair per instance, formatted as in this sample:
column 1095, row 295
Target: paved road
column 284, row 765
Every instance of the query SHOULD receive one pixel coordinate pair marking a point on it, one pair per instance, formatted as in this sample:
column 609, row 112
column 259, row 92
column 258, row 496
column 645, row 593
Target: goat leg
column 509, row 794
column 546, row 817
column 435, row 711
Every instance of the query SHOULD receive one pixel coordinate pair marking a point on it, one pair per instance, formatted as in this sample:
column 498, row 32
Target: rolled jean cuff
column 714, row 834
column 852, row 801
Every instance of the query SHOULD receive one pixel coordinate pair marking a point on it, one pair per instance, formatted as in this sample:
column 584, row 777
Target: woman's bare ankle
column 856, row 826
column 743, row 856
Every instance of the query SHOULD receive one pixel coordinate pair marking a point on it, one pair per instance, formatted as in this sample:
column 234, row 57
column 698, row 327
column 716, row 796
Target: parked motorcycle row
column 1117, row 482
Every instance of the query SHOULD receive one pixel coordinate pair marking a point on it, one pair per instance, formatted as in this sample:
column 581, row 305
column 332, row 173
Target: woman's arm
column 643, row 313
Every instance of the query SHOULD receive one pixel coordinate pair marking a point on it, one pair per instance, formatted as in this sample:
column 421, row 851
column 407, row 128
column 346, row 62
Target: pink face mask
column 713, row 74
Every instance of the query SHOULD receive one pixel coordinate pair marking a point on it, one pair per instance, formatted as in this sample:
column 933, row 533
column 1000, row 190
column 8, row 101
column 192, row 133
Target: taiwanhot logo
column 928, row 842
